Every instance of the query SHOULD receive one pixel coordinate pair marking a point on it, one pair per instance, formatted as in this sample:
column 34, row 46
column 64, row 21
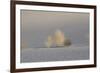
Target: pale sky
column 37, row 25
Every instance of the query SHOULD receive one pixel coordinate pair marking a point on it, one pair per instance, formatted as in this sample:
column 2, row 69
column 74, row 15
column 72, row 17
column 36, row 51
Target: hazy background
column 36, row 26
